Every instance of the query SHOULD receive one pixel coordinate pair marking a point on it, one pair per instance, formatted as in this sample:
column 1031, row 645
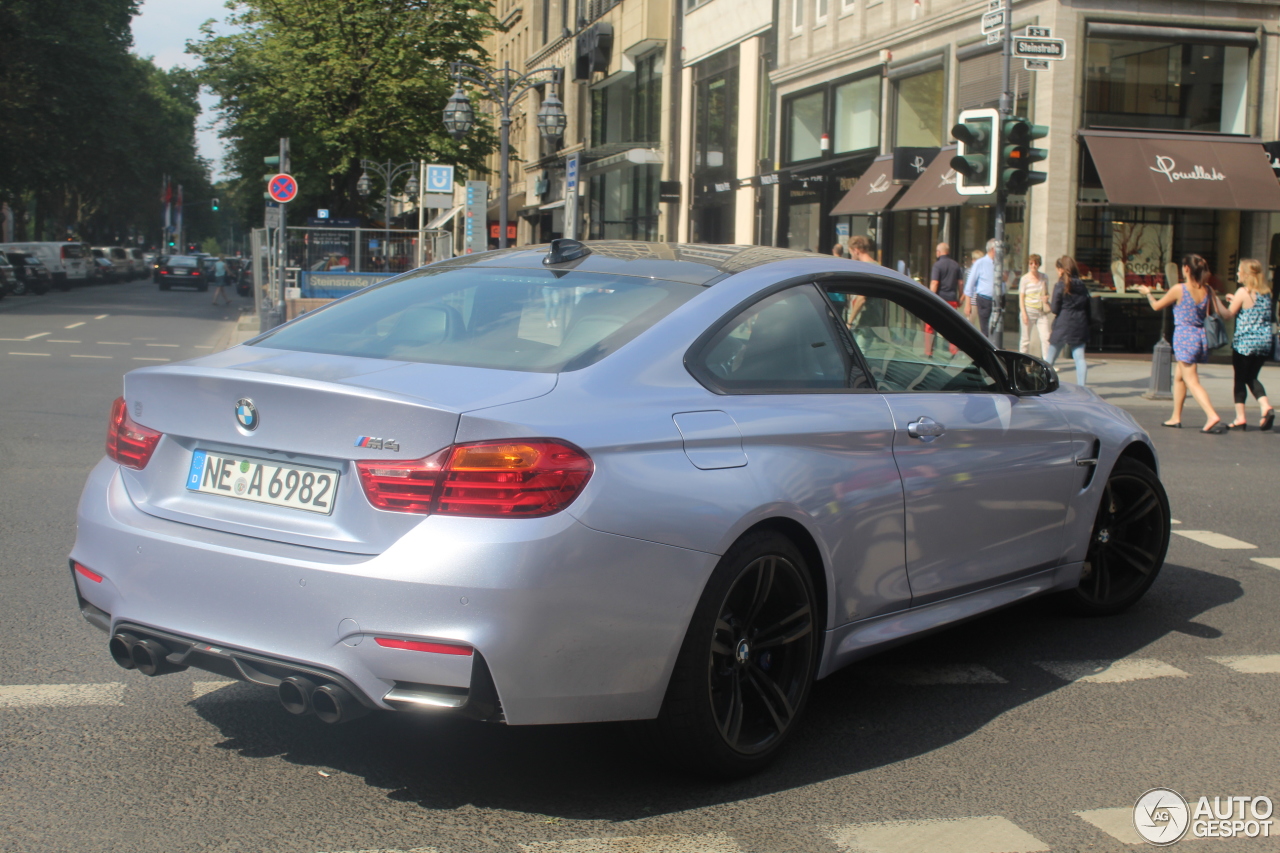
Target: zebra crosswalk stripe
column 1110, row 672
column 716, row 842
column 990, row 834
column 60, row 695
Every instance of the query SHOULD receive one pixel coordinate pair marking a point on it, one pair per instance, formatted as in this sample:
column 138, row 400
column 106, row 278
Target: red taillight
column 419, row 646
column 129, row 443
column 89, row 573
column 491, row 479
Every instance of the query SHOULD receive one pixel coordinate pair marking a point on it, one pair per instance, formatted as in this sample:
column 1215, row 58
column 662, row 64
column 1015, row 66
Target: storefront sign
column 1272, row 152
column 910, row 163
column 1168, row 167
column 873, row 192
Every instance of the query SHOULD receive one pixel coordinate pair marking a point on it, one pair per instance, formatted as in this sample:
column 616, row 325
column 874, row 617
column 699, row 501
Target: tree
column 344, row 80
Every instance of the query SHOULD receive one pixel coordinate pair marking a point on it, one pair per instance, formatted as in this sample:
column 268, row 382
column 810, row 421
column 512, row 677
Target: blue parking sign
column 439, row 178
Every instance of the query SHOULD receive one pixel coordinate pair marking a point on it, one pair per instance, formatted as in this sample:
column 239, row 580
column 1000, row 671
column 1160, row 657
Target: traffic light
column 977, row 136
column 215, row 205
column 1018, row 156
column 172, row 244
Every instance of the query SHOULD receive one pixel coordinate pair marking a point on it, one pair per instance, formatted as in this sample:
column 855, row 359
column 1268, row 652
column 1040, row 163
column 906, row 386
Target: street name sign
column 995, row 37
column 993, row 21
column 439, row 178
column 1035, row 64
column 995, row 5
column 282, row 188
column 1033, row 48
column 1038, row 32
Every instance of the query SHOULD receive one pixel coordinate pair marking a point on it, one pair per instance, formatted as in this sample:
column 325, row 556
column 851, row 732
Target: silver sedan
column 603, row 481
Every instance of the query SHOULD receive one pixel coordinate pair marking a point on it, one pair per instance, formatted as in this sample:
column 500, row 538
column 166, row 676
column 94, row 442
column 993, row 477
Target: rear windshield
column 181, row 261
column 528, row 320
column 73, row 250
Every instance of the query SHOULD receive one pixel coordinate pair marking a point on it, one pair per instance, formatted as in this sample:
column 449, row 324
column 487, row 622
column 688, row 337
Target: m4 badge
column 378, row 443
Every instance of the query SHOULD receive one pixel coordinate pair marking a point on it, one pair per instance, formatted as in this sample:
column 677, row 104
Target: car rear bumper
column 572, row 624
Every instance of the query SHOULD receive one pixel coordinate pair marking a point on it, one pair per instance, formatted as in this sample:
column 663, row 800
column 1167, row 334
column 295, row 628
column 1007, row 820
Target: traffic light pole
column 995, row 327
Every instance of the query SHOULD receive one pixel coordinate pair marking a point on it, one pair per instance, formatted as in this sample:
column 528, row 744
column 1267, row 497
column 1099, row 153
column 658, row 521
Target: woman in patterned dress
column 1251, row 345
column 1190, row 302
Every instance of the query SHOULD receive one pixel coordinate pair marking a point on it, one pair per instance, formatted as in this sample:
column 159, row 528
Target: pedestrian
column 838, row 250
column 865, row 314
column 944, row 280
column 1191, row 301
column 1071, row 321
column 1252, row 343
column 981, row 290
column 1033, row 305
column 220, row 280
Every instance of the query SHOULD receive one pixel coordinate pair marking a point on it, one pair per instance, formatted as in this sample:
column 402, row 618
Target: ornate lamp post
column 504, row 87
column 388, row 171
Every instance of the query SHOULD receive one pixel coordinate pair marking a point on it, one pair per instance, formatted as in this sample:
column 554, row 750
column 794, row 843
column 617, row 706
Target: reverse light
column 419, row 646
column 527, row 478
column 129, row 443
column 88, row 573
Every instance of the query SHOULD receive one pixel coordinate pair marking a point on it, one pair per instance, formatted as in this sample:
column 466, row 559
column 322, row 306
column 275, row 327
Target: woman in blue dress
column 1251, row 344
column 1191, row 302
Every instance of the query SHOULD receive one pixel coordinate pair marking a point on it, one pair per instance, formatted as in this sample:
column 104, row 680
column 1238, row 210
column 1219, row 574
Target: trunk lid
column 312, row 410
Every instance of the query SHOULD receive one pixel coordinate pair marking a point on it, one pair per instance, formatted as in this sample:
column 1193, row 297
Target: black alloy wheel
column 747, row 664
column 1127, row 544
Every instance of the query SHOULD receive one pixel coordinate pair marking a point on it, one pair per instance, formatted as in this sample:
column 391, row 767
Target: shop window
column 624, row 204
column 1155, row 85
column 857, row 115
column 979, row 84
column 716, row 113
column 918, row 114
column 804, row 126
column 630, row 109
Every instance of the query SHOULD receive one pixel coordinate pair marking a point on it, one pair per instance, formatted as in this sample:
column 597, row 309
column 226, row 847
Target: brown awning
column 937, row 187
column 875, row 190
column 1166, row 170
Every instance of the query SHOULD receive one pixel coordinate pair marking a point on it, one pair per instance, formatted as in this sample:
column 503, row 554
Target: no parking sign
column 282, row 188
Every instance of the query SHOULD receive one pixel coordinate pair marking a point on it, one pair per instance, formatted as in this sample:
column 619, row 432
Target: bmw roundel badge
column 247, row 413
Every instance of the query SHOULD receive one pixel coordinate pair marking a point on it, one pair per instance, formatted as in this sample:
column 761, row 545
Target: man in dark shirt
column 945, row 281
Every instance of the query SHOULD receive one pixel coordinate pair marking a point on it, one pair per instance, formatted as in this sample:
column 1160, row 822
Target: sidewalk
column 1122, row 379
column 242, row 330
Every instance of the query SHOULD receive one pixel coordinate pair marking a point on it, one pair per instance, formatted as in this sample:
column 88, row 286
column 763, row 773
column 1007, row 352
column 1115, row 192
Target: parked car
column 138, row 263
column 157, row 263
column 32, row 275
column 67, row 262
column 603, row 481
column 8, row 278
column 105, row 270
column 183, row 270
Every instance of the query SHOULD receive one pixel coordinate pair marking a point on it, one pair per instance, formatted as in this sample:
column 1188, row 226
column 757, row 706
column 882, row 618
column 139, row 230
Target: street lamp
column 504, row 87
column 388, row 171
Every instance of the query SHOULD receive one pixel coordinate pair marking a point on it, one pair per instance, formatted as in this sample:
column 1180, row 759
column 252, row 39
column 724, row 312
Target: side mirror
column 1029, row 375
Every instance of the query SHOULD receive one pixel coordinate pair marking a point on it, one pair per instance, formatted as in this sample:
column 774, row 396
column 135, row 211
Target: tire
column 20, row 287
column 733, row 701
column 1127, row 543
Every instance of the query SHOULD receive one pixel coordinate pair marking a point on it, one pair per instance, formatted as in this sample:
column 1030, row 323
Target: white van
column 67, row 261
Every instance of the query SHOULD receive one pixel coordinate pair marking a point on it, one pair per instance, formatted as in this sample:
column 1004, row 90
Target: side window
column 902, row 351
column 785, row 342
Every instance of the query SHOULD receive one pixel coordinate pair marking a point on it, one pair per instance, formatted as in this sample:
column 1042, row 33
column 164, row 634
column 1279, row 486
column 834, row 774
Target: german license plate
column 263, row 481
column 179, row 272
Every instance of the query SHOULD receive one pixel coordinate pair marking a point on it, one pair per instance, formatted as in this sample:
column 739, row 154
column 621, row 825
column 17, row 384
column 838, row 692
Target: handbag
column 1215, row 331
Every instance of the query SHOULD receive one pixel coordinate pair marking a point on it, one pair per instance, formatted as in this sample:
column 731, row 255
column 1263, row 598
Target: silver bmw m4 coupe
column 603, row 481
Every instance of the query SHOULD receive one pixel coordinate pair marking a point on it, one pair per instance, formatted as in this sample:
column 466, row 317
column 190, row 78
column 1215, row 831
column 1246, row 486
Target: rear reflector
column 492, row 479
column 418, row 646
column 89, row 573
column 129, row 443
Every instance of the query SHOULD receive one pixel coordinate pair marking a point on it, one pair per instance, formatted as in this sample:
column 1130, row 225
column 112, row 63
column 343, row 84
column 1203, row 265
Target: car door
column 987, row 475
column 797, row 410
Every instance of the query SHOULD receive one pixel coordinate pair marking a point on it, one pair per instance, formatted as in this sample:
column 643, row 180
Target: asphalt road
column 1022, row 731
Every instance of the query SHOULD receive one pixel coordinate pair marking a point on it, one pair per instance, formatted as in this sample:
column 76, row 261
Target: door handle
column 925, row 429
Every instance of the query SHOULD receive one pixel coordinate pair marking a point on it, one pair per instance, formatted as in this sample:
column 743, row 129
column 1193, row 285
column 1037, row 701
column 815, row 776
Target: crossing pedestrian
column 1033, row 305
column 1070, row 308
column 983, row 290
column 944, row 280
column 1252, row 342
column 1191, row 301
column 220, row 280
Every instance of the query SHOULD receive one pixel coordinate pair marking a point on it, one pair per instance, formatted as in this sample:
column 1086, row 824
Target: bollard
column 1160, row 386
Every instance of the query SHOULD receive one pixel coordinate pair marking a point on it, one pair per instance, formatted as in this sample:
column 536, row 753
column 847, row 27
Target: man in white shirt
column 980, row 290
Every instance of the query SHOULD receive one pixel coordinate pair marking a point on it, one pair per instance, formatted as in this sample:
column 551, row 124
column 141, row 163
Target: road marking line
column 1171, row 521
column 960, row 673
column 1269, row 562
column 57, row 341
column 388, row 850
column 30, row 353
column 36, row 335
column 78, row 355
column 75, row 325
column 60, row 695
column 1110, row 672
column 961, row 835
column 102, row 316
column 114, row 343
column 1250, row 664
column 12, row 339
column 1118, row 823
column 716, row 842
column 199, row 346
column 163, row 345
column 135, row 358
column 1215, row 540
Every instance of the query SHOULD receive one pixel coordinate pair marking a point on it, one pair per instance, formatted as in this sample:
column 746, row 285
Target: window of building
column 918, row 114
column 624, row 204
column 716, row 112
column 690, row 5
column 630, row 109
column 1169, row 85
column 804, row 126
column 797, row 14
column 821, row 8
column 979, row 83
column 857, row 115
column 846, row 6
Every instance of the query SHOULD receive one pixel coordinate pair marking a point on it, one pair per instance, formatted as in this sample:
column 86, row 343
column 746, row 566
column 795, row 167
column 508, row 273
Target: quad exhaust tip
column 332, row 704
column 295, row 694
column 149, row 657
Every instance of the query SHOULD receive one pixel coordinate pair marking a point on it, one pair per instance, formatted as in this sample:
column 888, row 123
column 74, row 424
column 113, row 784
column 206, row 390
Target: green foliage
column 344, row 80
column 87, row 130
